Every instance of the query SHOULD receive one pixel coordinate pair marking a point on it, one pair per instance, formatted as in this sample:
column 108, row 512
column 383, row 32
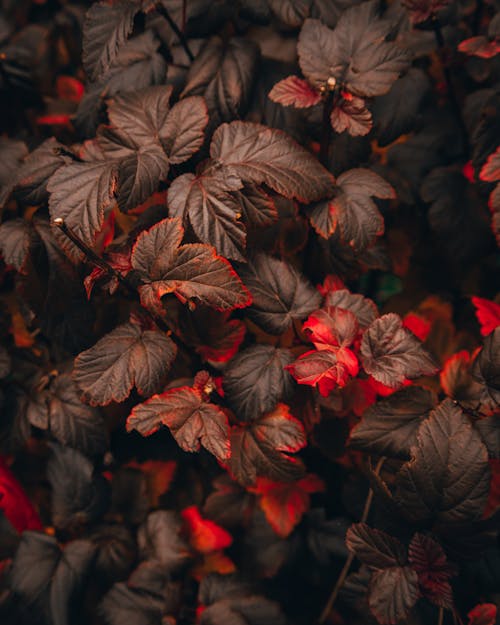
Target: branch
column 347, row 565
column 440, row 616
column 179, row 34
column 326, row 128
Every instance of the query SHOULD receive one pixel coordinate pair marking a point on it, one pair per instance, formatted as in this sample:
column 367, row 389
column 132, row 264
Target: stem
column 180, row 35
column 184, row 11
column 438, row 33
column 326, row 128
column 347, row 565
column 440, row 616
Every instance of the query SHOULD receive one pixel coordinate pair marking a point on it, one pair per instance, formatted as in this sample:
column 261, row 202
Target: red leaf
column 434, row 572
column 205, row 536
column 487, row 313
column 294, row 91
column 327, row 369
column 330, row 283
column 490, row 171
column 284, row 503
column 14, row 502
column 331, row 326
column 69, row 88
column 480, row 46
column 419, row 326
column 352, row 115
column 483, row 614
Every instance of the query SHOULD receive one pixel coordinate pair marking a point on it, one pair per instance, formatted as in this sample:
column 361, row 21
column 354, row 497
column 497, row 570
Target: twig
column 184, row 11
column 180, row 35
column 438, row 33
column 440, row 616
column 326, row 128
column 347, row 565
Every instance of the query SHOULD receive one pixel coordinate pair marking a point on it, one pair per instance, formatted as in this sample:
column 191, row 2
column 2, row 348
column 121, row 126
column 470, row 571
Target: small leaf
column 428, row 559
column 11, row 154
column 280, row 293
column 391, row 354
column 365, row 310
column 486, row 368
column 374, row 548
column 205, row 536
column 483, row 614
column 126, row 357
column 255, row 153
column 159, row 538
column 352, row 115
column 487, row 313
column 393, row 593
column 331, row 326
column 256, row 380
column 192, row 420
column 294, row 91
column 15, row 242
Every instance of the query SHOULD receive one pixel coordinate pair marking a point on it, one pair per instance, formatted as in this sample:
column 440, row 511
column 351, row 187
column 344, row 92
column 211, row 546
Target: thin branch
column 326, row 128
column 347, row 565
column 179, row 34
column 440, row 616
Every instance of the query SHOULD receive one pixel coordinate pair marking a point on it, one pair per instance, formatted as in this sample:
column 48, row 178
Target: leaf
column 82, row 194
column 79, row 495
column 224, row 73
column 5, row 362
column 483, row 614
column 354, row 54
column 128, row 356
column 183, row 133
column 389, row 427
column 14, row 502
column 205, row 536
column 290, row 12
column 213, row 212
column 37, row 168
column 255, row 153
column 325, row 369
column 159, row 538
column 374, row 548
column 392, row 594
column 191, row 271
column 489, row 428
column 280, row 293
column 331, row 326
column 365, row 310
column 487, row 313
column 258, row 209
column 486, row 367
column 296, row 92
column 428, row 559
column 229, row 504
column 392, row 354
column 436, row 484
column 14, row 243
column 11, row 154
column 261, row 448
column 137, row 607
column 105, row 30
column 255, row 380
column 421, row 10
column 352, row 115
column 490, row 171
column 352, row 209
column 284, row 503
column 193, row 421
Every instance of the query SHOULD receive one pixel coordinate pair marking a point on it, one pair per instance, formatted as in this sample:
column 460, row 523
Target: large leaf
column 126, row 357
column 354, row 54
column 258, row 154
column 436, row 484
column 82, row 194
column 212, row 210
column 255, row 380
column 391, row 353
column 224, row 72
column 106, row 28
column 389, row 427
column 352, row 209
column 280, row 293
column 262, row 448
column 192, row 271
column 192, row 419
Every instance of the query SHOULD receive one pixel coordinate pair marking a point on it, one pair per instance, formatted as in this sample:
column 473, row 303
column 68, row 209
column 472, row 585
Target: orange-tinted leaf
column 159, row 475
column 69, row 88
column 487, row 313
column 216, row 562
column 205, row 536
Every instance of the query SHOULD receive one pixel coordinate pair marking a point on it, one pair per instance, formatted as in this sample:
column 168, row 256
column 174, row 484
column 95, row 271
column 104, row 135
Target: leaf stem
column 438, row 33
column 350, row 558
column 326, row 128
column 440, row 616
column 178, row 32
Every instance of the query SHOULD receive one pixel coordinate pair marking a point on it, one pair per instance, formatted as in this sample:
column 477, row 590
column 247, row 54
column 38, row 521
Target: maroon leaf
column 421, row 10
column 352, row 115
column 389, row 427
column 486, row 368
column 375, row 548
column 11, row 154
column 290, row 12
column 365, row 310
column 294, row 91
column 352, row 209
column 183, row 132
column 82, row 194
column 331, row 326
column 436, row 483
column 256, row 380
column 392, row 594
column 105, row 29
column 14, row 243
column 280, row 294
column 392, row 354
column 258, row 209
column 262, row 448
column 192, row 271
column 192, row 420
column 428, row 559
column 213, row 212
column 255, row 153
column 327, row 368
column 126, row 357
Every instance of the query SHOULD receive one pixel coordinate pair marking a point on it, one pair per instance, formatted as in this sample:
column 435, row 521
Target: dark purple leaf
column 374, row 548
column 392, row 594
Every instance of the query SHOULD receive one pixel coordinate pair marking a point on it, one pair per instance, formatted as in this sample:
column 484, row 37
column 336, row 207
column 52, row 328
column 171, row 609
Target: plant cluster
column 250, row 358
